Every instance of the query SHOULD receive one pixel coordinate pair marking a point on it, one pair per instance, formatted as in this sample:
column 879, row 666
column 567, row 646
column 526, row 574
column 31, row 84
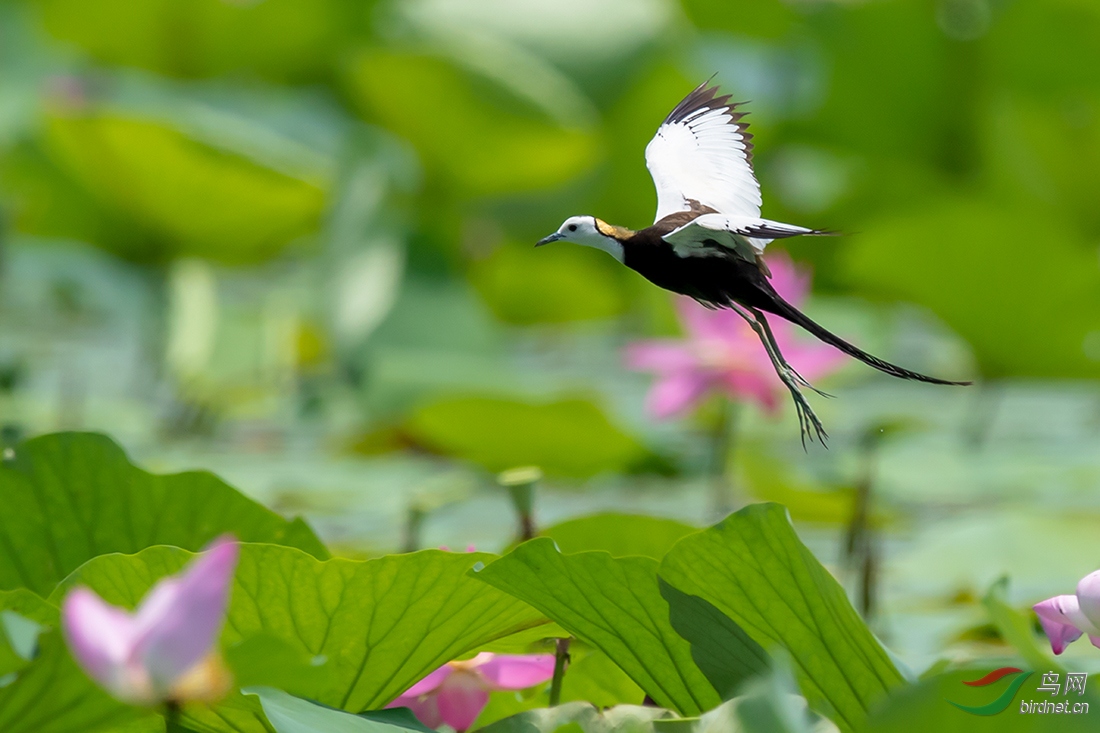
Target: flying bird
column 707, row 240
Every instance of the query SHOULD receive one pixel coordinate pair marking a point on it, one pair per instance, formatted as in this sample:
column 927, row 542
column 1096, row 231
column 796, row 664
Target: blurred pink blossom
column 166, row 649
column 1066, row 618
column 457, row 692
column 721, row 353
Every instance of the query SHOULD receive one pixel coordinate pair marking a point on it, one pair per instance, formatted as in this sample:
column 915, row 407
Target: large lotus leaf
column 30, row 605
column 618, row 534
column 289, row 714
column 276, row 38
column 753, row 569
column 264, row 660
column 570, row 437
column 69, row 497
column 379, row 625
column 197, row 199
column 615, row 605
column 594, row 678
column 537, row 640
column 972, row 265
column 724, row 653
column 469, row 131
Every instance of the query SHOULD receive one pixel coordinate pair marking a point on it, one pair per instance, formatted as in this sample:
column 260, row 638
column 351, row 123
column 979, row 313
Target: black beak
column 547, row 240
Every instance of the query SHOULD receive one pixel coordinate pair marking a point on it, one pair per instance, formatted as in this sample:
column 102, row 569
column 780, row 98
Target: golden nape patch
column 610, row 230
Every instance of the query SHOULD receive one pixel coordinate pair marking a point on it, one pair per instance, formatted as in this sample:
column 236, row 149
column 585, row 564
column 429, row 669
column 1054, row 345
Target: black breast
column 716, row 279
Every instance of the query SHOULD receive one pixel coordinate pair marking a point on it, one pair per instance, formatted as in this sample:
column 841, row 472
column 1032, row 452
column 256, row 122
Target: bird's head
column 590, row 232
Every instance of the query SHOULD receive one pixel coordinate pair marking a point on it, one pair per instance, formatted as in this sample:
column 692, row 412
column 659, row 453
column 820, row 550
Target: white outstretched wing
column 703, row 152
column 745, row 235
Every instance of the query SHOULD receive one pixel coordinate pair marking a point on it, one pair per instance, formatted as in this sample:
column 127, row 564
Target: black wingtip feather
column 765, row 232
column 704, row 97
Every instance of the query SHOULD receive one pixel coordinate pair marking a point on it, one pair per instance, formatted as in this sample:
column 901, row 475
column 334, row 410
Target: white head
column 590, row 232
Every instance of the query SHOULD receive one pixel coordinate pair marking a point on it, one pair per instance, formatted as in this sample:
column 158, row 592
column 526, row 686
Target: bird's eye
column 572, row 227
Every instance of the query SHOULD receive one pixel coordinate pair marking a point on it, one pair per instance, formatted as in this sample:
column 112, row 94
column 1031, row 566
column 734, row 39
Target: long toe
column 808, row 423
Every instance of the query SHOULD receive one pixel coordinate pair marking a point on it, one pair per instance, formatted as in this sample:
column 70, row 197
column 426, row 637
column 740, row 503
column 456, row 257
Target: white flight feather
column 731, row 232
column 703, row 158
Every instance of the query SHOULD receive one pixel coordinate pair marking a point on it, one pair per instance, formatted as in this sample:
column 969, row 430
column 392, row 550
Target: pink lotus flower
column 722, row 353
column 457, row 692
column 166, row 649
column 1065, row 618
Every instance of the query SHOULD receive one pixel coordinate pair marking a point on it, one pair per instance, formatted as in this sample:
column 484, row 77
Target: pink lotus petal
column 754, row 387
column 1078, row 619
column 157, row 604
column 180, row 620
column 789, row 280
column 100, row 636
column 1088, row 598
column 461, row 698
column 1055, row 609
column 675, row 393
column 659, row 356
column 1057, row 623
column 814, row 366
column 429, row 683
column 1059, row 634
column 517, row 671
column 424, row 707
column 708, row 323
column 816, row 362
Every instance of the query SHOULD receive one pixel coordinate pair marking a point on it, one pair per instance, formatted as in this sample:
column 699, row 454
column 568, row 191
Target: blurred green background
column 290, row 241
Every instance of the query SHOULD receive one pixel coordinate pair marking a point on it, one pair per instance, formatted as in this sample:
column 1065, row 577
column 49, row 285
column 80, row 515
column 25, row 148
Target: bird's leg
column 763, row 321
column 807, row 419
